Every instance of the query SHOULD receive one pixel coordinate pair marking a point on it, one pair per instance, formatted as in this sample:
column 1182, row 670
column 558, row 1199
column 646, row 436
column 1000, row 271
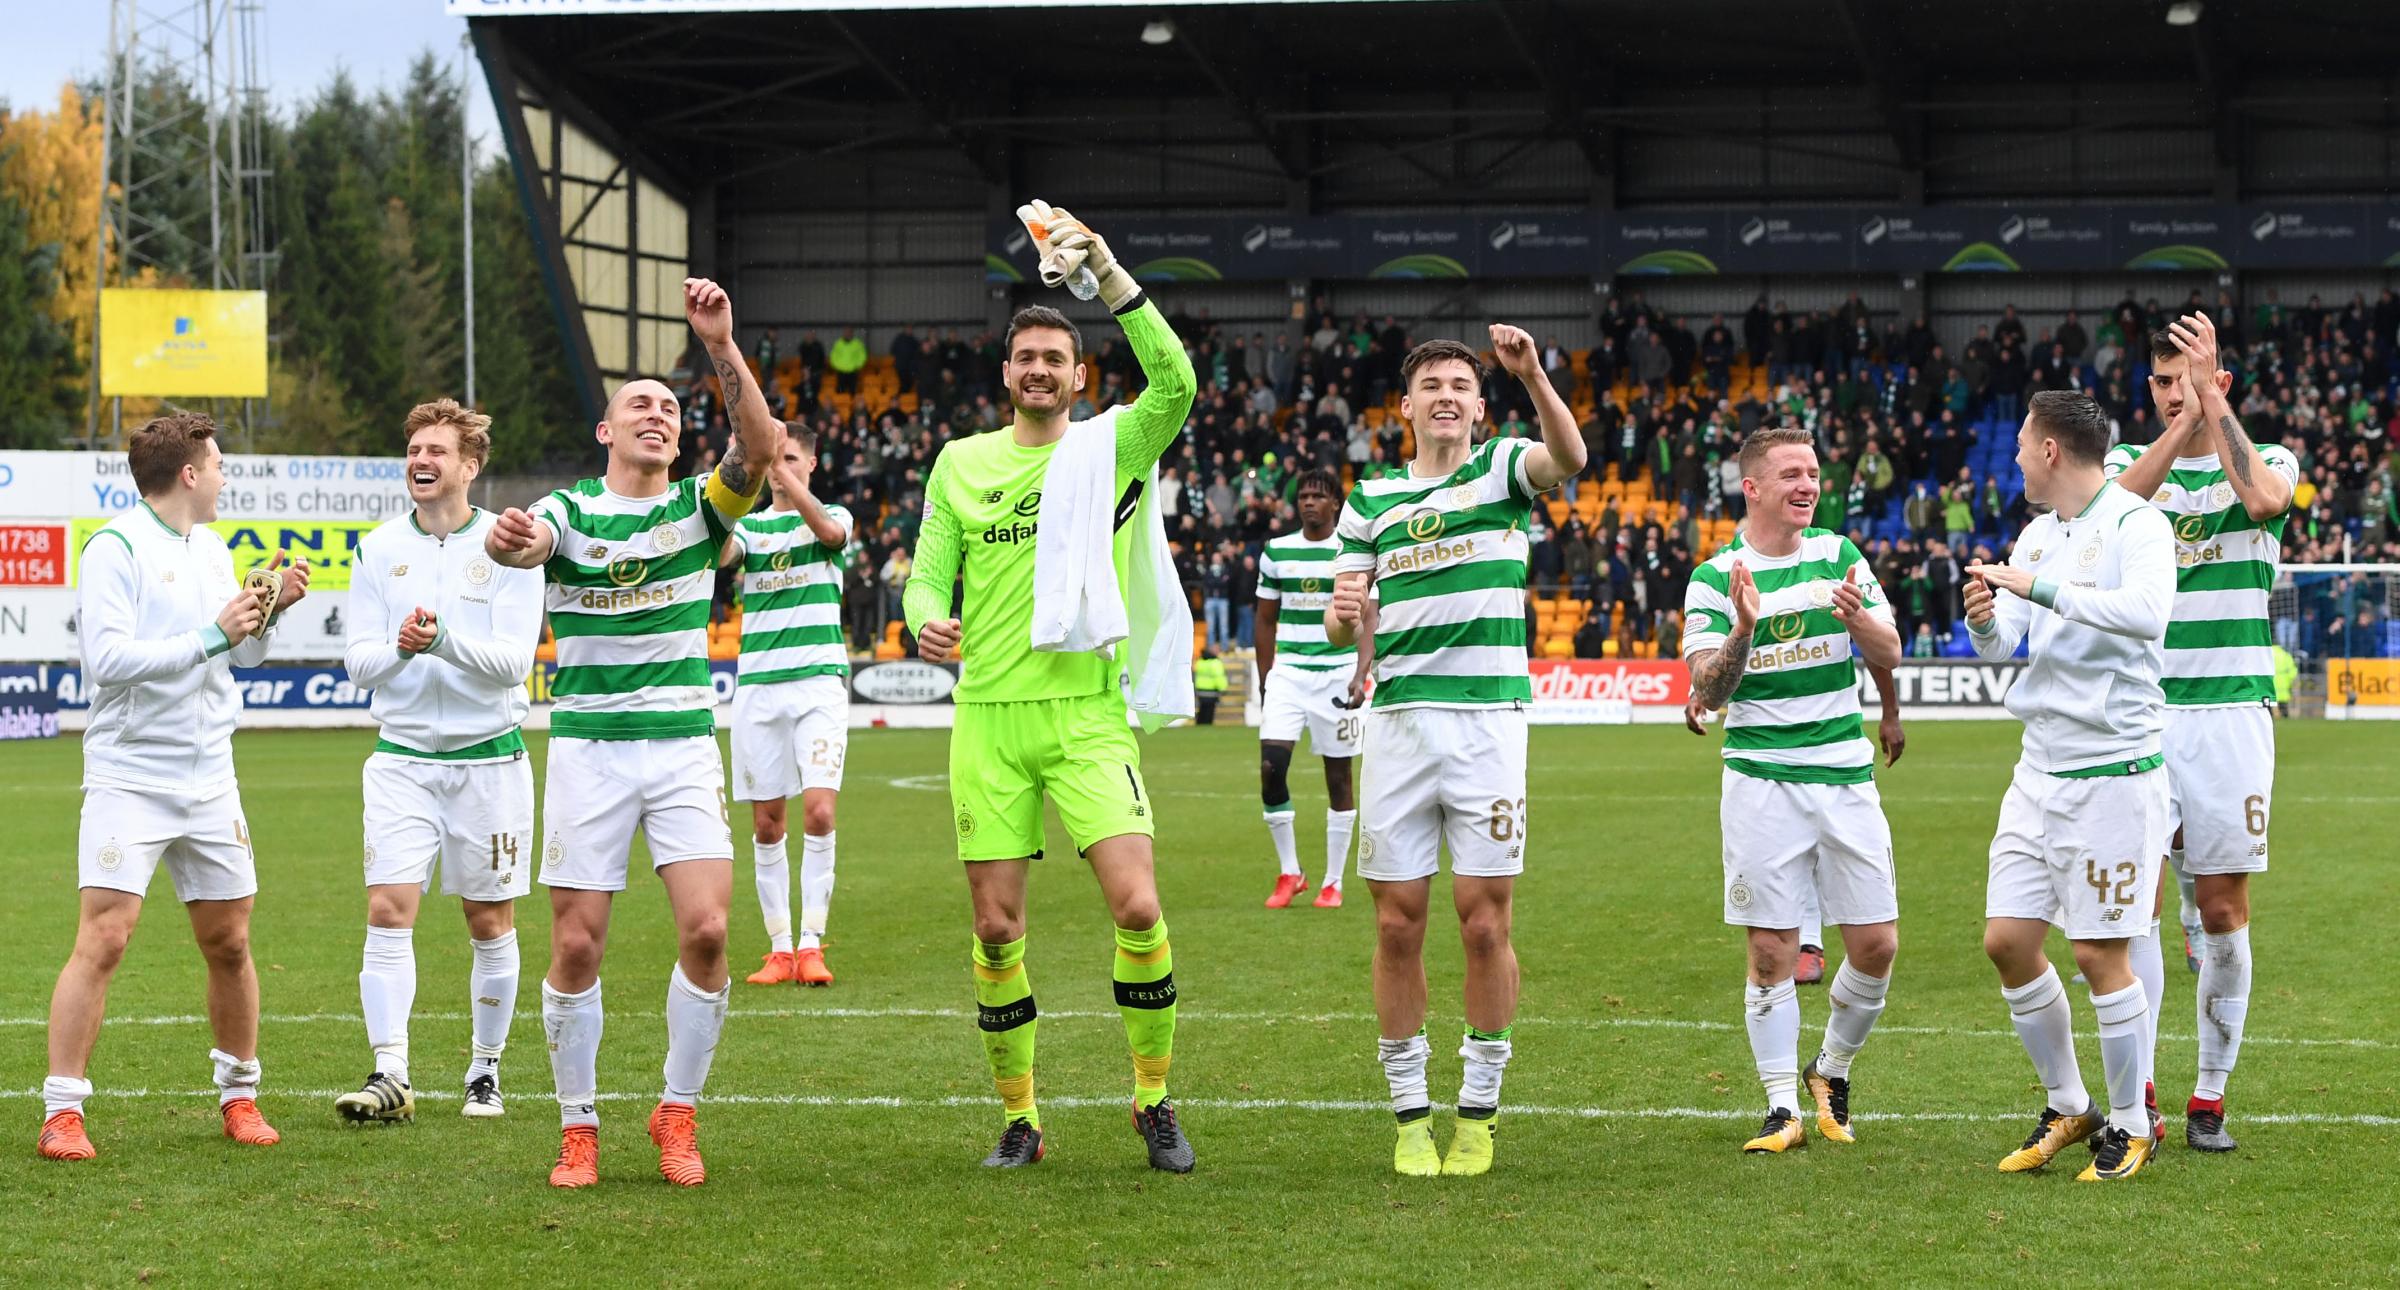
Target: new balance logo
column 596, row 551
column 990, row 496
column 399, row 570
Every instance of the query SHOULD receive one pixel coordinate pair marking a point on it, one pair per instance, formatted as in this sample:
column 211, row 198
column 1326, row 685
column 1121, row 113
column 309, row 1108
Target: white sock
column 1856, row 1000
column 64, row 1093
column 695, row 1018
column 1287, row 849
column 2046, row 1026
column 1812, row 919
column 1771, row 1013
column 387, row 990
column 1404, row 1069
column 571, row 1022
column 2149, row 958
column 1487, row 1061
column 816, row 887
column 774, row 879
column 2124, row 1024
column 237, row 1077
column 2187, row 908
column 492, row 998
column 2224, row 1006
column 1339, row 825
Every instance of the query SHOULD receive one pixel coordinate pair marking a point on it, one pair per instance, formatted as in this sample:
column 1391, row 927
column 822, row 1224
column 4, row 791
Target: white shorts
column 1300, row 699
column 204, row 840
column 2221, row 784
column 1442, row 775
column 475, row 821
column 2082, row 854
column 1782, row 839
column 789, row 736
column 600, row 792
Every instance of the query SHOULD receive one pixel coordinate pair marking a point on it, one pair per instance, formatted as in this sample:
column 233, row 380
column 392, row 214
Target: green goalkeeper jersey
column 983, row 507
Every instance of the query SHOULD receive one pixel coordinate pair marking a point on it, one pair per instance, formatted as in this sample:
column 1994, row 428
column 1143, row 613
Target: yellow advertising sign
column 329, row 546
column 2362, row 680
column 183, row 344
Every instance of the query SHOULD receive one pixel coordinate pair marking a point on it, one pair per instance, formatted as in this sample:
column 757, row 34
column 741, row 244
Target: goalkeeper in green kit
column 1030, row 722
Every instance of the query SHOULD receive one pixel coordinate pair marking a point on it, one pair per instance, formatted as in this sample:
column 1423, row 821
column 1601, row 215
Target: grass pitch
column 843, row 1126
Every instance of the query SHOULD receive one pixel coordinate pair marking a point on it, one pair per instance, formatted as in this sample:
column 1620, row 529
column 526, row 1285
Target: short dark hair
column 803, row 434
column 2075, row 420
column 158, row 452
column 1438, row 351
column 2162, row 344
column 1319, row 478
column 1041, row 316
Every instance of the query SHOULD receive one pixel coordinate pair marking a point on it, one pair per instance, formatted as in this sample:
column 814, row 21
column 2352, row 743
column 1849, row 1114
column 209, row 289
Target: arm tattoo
column 2237, row 447
column 1715, row 680
column 734, row 467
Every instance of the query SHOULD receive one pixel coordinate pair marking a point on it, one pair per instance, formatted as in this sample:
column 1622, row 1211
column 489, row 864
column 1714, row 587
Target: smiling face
column 1784, row 485
column 1041, row 372
column 437, row 469
column 644, row 424
column 1444, row 403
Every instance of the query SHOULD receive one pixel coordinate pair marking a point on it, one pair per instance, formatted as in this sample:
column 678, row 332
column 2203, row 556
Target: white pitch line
column 1258, row 1018
column 1346, row 1106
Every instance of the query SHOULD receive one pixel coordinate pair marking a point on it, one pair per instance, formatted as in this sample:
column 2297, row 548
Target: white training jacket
column 157, row 666
column 2104, row 585
column 462, row 699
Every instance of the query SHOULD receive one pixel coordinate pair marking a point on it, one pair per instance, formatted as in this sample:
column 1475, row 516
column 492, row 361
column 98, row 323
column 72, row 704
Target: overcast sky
column 304, row 41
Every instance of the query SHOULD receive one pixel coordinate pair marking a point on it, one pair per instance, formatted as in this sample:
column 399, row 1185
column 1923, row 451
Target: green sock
column 1006, row 1015
column 1145, row 979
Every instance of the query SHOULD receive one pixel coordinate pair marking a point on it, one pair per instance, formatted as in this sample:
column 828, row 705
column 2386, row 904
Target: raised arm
column 2265, row 491
column 1561, row 454
column 755, row 429
column 1145, row 429
column 1720, row 623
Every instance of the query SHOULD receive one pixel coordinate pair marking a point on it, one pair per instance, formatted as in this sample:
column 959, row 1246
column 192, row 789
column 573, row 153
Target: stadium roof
column 708, row 88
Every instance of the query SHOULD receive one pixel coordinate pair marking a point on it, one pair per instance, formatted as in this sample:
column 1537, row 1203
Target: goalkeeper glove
column 1068, row 245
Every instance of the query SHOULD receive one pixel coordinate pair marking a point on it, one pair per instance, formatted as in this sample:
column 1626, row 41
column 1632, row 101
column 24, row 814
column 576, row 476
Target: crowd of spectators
column 1916, row 441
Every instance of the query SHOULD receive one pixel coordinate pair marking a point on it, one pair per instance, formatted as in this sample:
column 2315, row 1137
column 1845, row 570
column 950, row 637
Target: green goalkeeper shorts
column 1004, row 757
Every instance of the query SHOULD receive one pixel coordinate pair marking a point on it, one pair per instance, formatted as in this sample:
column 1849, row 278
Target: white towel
column 1077, row 602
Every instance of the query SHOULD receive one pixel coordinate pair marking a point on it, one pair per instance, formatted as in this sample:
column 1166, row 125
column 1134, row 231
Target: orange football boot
column 245, row 1125
column 63, row 1138
column 776, row 971
column 808, row 967
column 578, row 1157
column 676, row 1130
column 1287, row 885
